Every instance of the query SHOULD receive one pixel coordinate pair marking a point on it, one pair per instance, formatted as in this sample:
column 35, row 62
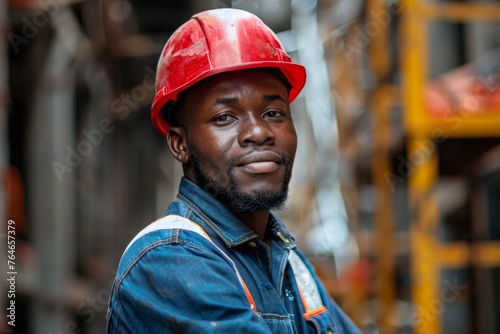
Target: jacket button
column 252, row 244
column 282, row 237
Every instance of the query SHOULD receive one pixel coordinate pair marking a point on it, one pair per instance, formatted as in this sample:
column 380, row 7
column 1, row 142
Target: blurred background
column 396, row 190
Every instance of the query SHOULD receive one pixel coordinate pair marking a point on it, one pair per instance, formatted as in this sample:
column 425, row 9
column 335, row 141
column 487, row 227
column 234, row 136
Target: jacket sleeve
column 180, row 286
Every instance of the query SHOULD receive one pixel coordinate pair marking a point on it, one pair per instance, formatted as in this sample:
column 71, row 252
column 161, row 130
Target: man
column 219, row 261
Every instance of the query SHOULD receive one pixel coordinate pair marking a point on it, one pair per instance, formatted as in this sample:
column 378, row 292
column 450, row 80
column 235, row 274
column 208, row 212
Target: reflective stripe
column 167, row 223
column 308, row 289
column 307, row 285
column 243, row 284
column 171, row 222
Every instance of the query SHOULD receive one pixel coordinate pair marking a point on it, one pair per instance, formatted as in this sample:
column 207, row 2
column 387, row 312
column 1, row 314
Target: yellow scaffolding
column 427, row 254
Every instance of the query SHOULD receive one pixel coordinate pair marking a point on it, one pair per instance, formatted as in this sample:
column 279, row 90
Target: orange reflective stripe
column 310, row 313
column 317, row 311
column 242, row 282
column 308, row 289
column 304, row 302
column 249, row 296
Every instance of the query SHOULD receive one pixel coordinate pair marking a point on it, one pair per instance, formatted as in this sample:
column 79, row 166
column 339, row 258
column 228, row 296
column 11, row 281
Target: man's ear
column 177, row 143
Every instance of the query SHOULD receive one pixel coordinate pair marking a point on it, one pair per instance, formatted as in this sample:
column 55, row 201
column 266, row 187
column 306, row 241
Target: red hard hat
column 217, row 41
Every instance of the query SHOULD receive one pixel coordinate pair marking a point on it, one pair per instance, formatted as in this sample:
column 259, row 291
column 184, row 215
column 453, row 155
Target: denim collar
column 224, row 223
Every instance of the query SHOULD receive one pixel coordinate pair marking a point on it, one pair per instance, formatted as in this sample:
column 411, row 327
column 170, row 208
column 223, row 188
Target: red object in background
column 14, row 191
column 462, row 91
column 356, row 279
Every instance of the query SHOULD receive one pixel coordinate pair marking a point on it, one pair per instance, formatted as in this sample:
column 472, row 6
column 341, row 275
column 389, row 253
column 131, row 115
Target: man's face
column 241, row 139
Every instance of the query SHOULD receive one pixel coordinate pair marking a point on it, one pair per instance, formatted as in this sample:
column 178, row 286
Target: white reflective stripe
column 178, row 222
column 168, row 223
column 306, row 282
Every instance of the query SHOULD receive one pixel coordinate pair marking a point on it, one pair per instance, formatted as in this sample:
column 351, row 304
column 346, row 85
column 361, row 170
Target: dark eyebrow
column 224, row 100
column 231, row 100
column 272, row 98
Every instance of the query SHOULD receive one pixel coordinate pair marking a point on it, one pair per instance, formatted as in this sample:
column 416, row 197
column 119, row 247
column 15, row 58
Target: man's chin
column 259, row 202
column 253, row 183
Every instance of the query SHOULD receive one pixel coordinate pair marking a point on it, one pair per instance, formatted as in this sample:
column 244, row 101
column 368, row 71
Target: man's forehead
column 246, row 79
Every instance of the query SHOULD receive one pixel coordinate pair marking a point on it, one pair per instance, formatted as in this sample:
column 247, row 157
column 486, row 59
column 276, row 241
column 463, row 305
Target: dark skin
column 240, row 126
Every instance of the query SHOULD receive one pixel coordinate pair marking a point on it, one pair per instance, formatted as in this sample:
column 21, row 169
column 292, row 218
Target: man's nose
column 256, row 130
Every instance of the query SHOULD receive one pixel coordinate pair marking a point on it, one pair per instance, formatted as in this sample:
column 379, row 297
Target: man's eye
column 273, row 113
column 222, row 118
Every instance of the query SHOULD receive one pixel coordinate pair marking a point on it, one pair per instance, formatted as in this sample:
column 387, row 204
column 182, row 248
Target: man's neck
column 257, row 221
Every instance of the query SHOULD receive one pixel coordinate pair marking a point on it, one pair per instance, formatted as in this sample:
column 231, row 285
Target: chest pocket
column 279, row 323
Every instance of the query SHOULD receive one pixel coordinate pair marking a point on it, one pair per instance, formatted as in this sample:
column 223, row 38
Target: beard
column 224, row 187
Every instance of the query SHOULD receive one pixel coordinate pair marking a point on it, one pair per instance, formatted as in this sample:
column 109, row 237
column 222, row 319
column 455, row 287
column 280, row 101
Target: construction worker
column 219, row 261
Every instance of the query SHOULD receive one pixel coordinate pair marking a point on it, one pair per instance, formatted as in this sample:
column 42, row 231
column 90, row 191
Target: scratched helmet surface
column 217, row 41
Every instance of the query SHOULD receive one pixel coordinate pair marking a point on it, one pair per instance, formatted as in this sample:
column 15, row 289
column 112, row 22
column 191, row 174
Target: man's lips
column 260, row 162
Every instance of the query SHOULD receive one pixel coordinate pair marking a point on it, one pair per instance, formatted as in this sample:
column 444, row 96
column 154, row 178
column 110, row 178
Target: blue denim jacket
column 174, row 281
